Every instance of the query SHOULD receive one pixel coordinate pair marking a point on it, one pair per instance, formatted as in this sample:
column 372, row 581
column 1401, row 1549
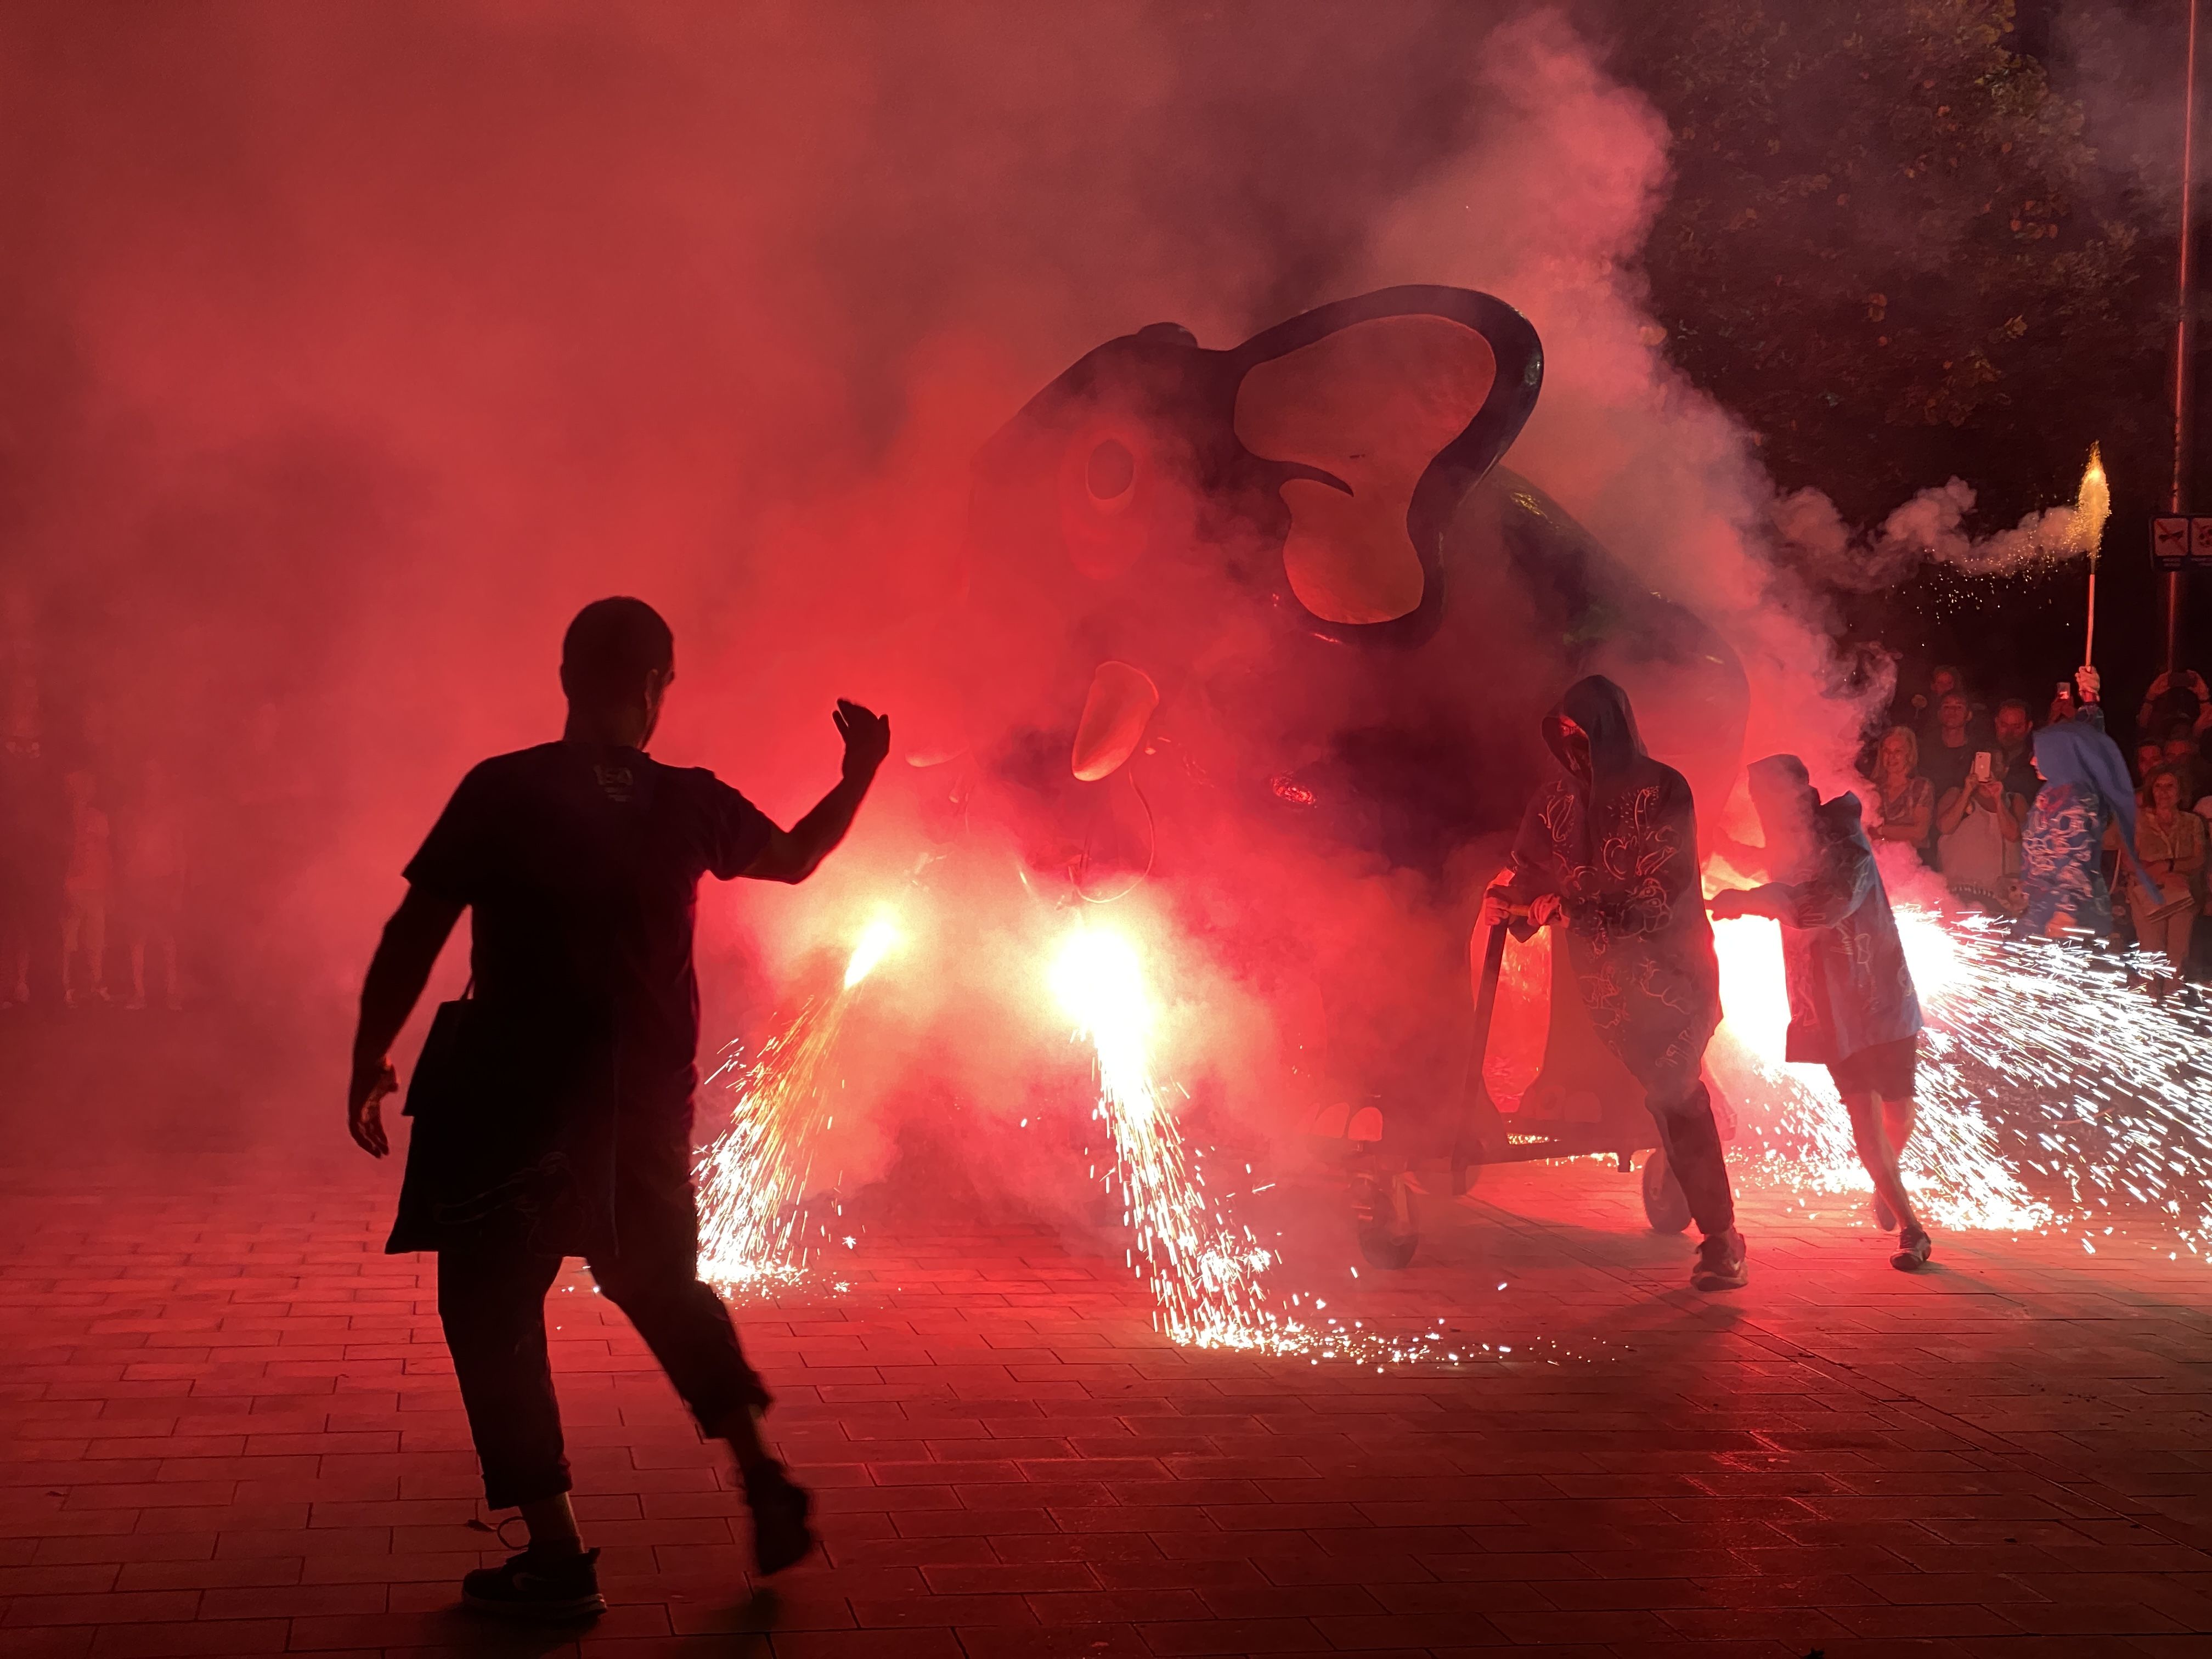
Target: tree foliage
column 1880, row 247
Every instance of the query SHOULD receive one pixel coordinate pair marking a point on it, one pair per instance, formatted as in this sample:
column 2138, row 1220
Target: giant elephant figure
column 1286, row 589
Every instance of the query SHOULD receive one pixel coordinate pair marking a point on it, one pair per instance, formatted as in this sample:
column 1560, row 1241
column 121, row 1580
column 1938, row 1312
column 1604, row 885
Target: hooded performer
column 1610, row 852
column 2085, row 794
column 1852, row 1005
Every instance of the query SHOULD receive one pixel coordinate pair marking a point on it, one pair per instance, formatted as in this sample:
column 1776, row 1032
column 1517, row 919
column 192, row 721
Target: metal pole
column 2177, row 503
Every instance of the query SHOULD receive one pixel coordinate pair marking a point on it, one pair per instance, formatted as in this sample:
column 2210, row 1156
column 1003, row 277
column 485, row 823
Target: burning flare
column 2092, row 507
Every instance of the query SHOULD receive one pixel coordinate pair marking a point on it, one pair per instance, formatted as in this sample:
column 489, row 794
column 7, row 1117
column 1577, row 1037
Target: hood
column 1845, row 814
column 2075, row 753
column 1600, row 709
column 1787, row 788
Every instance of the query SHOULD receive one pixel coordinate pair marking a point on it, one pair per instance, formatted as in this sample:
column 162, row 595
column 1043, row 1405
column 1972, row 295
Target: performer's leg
column 1874, row 1133
column 491, row 1300
column 654, row 1277
column 688, row 1327
column 1692, row 1144
column 1900, row 1118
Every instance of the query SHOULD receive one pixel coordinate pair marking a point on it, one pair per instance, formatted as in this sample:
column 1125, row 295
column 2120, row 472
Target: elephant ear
column 1378, row 414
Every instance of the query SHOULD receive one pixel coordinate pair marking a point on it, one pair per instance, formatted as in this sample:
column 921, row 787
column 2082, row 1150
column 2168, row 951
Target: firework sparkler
column 2051, row 1095
column 755, row 1180
column 1204, row 1272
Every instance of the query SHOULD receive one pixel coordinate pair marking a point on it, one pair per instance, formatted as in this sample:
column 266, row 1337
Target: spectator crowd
column 93, row 868
column 2034, row 818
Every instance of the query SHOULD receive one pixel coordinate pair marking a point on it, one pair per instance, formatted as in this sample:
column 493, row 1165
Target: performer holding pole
column 1852, row 1005
column 1609, row 851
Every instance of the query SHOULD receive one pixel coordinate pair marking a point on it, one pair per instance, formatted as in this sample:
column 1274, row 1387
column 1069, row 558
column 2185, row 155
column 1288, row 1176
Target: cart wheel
column 1382, row 1212
column 1664, row 1205
column 1384, row 1249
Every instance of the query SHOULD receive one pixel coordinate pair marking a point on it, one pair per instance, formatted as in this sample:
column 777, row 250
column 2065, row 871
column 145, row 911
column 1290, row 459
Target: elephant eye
column 1112, row 469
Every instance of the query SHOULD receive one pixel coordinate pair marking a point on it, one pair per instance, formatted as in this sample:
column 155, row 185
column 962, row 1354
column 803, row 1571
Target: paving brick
column 254, row 1415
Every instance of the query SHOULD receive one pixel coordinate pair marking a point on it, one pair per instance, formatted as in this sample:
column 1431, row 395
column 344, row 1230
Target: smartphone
column 1981, row 766
column 2065, row 688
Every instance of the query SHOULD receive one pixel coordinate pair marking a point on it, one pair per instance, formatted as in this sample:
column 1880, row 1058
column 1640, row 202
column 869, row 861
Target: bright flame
column 878, row 941
column 2092, row 508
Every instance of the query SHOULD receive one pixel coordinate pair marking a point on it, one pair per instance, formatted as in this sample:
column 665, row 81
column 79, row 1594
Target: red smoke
column 347, row 349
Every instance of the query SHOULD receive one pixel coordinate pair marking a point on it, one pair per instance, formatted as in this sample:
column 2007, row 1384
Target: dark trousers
column 1692, row 1141
column 491, row 1299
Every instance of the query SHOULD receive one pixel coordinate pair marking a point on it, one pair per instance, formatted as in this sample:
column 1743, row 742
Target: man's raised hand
column 867, row 737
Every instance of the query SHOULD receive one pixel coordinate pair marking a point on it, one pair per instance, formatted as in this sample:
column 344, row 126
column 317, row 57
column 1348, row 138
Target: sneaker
column 553, row 1589
column 1885, row 1219
column 1720, row 1264
column 1914, row 1247
column 781, row 1537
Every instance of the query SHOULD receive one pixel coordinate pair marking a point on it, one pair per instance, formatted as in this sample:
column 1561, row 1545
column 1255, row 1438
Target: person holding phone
column 1947, row 756
column 1978, row 834
column 2174, row 698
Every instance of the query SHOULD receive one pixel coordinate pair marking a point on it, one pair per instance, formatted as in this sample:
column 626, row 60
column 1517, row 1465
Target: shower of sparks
column 753, row 1181
column 2052, row 1096
column 1204, row 1274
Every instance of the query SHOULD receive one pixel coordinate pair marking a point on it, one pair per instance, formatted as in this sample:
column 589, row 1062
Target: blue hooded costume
column 2085, row 792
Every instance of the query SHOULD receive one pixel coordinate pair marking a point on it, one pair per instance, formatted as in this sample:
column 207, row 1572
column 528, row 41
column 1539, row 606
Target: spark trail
column 2052, row 1096
column 1204, row 1272
column 755, row 1180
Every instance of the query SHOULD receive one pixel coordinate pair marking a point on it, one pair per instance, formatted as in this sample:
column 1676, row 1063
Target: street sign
column 2200, row 541
column 2169, row 543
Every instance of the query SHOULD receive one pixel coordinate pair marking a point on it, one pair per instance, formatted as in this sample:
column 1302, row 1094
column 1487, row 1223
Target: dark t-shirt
column 581, row 866
column 1947, row 768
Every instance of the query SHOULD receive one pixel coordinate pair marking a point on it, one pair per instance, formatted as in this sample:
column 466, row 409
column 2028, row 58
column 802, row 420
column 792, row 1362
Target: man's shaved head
column 612, row 648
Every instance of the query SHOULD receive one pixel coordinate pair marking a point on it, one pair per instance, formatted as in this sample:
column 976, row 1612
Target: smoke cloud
column 348, row 350
column 1930, row 528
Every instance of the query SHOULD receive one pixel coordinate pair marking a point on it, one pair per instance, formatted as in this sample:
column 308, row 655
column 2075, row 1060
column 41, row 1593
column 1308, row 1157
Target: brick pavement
column 228, row 1427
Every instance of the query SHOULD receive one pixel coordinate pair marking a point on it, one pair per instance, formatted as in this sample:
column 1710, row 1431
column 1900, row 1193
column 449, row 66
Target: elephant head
column 1293, row 569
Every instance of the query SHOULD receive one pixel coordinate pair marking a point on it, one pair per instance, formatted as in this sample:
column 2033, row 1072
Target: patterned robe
column 1621, row 850
column 2061, row 849
column 1850, row 986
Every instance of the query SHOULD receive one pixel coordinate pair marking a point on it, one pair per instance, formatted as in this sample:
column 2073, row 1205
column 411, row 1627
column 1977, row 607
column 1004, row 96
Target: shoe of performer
column 541, row 1587
column 1914, row 1247
column 781, row 1537
column 1885, row 1219
column 1720, row 1265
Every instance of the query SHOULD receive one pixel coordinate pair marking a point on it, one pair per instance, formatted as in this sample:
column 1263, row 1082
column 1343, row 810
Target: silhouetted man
column 553, row 1106
column 1609, row 852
